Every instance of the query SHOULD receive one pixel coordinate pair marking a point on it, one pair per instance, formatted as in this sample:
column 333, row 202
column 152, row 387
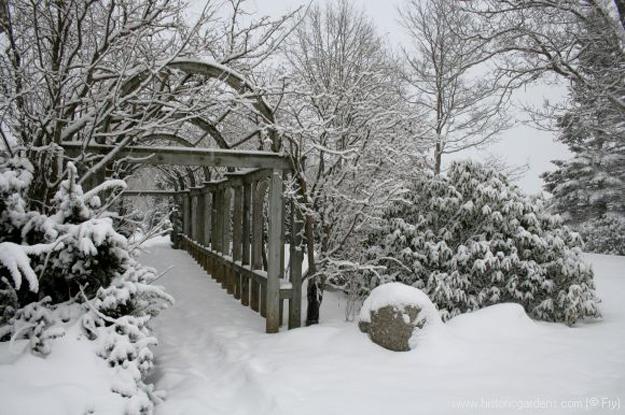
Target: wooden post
column 201, row 213
column 186, row 219
column 245, row 243
column 193, row 197
column 263, row 298
column 189, row 231
column 218, row 234
column 225, row 238
column 274, row 267
column 237, row 223
column 214, row 216
column 257, row 240
column 183, row 213
column 219, row 221
column 295, row 268
column 282, row 234
column 213, row 230
column 206, row 218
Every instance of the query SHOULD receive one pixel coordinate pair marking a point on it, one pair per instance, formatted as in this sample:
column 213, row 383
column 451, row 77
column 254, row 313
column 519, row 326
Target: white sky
column 520, row 145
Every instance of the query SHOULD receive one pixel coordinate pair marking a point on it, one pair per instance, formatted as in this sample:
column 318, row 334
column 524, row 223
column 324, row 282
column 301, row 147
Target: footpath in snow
column 214, row 357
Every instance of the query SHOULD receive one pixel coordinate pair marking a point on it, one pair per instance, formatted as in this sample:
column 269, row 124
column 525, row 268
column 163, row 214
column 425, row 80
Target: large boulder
column 395, row 314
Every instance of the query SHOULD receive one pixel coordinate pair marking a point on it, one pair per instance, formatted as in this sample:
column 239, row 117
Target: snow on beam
column 212, row 70
column 183, row 156
column 148, row 192
column 237, row 178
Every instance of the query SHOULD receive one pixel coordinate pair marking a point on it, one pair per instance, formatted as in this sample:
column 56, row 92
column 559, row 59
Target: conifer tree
column 71, row 267
column 588, row 188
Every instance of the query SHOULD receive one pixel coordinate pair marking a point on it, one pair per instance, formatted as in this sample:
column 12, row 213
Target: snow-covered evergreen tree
column 588, row 188
column 70, row 269
column 605, row 234
column 472, row 239
column 582, row 43
column 74, row 247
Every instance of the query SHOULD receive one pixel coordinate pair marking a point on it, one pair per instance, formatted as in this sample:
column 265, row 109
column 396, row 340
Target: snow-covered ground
column 71, row 380
column 214, row 357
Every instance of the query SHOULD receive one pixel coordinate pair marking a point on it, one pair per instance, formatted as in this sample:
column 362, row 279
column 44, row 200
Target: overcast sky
column 518, row 146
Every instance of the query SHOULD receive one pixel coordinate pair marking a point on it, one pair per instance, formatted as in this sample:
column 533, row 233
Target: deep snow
column 72, row 380
column 214, row 357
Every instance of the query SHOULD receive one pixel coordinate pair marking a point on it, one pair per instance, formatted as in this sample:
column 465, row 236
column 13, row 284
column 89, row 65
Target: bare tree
column 583, row 43
column 535, row 37
column 117, row 72
column 346, row 128
column 461, row 100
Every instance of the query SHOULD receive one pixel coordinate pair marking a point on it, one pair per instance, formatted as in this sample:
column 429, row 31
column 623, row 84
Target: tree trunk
column 437, row 159
column 314, row 293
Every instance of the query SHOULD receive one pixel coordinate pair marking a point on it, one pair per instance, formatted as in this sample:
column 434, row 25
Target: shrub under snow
column 69, row 271
column 604, row 235
column 472, row 239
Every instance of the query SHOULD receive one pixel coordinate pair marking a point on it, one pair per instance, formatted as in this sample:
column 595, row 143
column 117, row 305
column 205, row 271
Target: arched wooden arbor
column 223, row 225
column 236, row 228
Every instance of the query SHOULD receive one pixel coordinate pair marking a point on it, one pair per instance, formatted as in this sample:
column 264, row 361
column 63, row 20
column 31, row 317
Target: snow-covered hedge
column 472, row 239
column 604, row 235
column 70, row 271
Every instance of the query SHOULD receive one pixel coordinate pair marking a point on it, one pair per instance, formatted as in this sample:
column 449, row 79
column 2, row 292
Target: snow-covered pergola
column 223, row 222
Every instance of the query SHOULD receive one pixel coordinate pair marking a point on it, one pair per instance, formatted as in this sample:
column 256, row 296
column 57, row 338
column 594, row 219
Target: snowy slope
column 215, row 359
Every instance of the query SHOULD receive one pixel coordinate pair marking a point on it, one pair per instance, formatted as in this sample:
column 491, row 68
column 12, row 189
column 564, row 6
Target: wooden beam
column 184, row 156
column 148, row 192
column 247, row 175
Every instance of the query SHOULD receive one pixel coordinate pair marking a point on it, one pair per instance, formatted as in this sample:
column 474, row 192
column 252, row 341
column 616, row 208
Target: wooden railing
column 223, row 227
column 246, row 284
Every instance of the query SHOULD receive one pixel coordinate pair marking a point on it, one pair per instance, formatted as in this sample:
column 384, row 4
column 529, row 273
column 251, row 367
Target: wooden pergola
column 223, row 223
